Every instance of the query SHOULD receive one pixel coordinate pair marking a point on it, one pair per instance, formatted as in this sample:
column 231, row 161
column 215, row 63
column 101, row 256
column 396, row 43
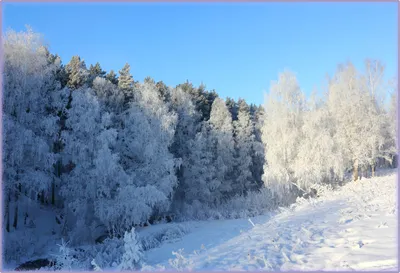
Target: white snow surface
column 351, row 228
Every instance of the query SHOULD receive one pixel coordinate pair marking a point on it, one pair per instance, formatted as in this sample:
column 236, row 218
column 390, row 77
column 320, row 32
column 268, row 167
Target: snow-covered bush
column 64, row 260
column 109, row 253
column 169, row 233
column 180, row 262
column 133, row 255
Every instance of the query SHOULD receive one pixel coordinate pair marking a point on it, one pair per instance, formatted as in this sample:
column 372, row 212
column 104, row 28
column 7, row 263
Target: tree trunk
column 355, row 170
column 373, row 166
column 42, row 197
column 15, row 224
column 8, row 213
column 53, row 186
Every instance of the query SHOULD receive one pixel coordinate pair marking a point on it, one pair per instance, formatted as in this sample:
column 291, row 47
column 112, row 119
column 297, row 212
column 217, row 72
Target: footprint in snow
column 345, row 220
column 383, row 225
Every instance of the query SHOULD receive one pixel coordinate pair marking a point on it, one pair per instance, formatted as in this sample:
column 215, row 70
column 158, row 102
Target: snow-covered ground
column 351, row 228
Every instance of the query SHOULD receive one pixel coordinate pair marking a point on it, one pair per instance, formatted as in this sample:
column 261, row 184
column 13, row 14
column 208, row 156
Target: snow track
column 352, row 228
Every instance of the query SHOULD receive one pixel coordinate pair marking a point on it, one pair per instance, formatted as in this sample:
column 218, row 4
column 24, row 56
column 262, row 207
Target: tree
column 125, row 83
column 357, row 117
column 91, row 187
column 188, row 123
column 380, row 144
column 95, row 71
column 112, row 77
column 319, row 157
column 244, row 149
column 29, row 126
column 257, row 166
column 144, row 141
column 222, row 145
column 199, row 181
column 233, row 107
column 133, row 255
column 109, row 95
column 77, row 73
column 281, row 133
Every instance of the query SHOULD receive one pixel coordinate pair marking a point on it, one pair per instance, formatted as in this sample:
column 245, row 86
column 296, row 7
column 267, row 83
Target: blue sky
column 234, row 48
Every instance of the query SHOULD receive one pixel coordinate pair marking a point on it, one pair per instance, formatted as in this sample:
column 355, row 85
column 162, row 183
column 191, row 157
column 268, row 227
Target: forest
column 107, row 154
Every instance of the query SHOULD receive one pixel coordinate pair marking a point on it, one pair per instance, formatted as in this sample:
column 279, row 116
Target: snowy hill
column 352, row 228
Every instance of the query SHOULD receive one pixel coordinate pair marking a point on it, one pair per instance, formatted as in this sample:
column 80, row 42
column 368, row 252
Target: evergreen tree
column 222, row 145
column 125, row 83
column 233, row 107
column 95, row 71
column 112, row 77
column 77, row 73
column 244, row 149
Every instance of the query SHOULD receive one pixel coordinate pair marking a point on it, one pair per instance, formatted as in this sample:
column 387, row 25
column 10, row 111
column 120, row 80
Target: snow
column 351, row 228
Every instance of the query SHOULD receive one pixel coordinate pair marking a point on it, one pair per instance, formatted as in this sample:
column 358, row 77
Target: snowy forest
column 90, row 156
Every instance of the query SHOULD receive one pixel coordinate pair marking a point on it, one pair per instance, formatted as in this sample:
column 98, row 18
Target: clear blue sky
column 236, row 49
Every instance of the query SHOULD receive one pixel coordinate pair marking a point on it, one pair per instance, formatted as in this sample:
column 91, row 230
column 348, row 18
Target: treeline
column 106, row 150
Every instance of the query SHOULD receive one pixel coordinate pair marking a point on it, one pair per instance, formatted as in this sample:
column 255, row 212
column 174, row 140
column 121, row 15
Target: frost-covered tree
column 94, row 72
column 133, row 255
column 109, row 94
column 29, row 125
column 186, row 129
column 91, row 188
column 380, row 144
column 222, row 145
column 201, row 98
column 199, row 182
column 357, row 118
column 233, row 107
column 77, row 73
column 281, row 133
column 244, row 149
column 125, row 83
column 319, row 158
column 257, row 166
column 145, row 137
column 112, row 77
column 164, row 91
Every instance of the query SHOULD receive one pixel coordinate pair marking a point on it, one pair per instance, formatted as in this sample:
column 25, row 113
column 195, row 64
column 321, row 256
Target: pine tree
column 112, row 77
column 244, row 149
column 223, row 145
column 125, row 83
column 95, row 71
column 233, row 107
column 77, row 73
column 133, row 255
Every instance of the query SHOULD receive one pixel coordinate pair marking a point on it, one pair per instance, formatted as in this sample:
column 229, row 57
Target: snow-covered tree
column 94, row 72
column 91, row 188
column 125, row 83
column 233, row 107
column 29, row 126
column 109, row 94
column 112, row 77
column 281, row 133
column 133, row 255
column 358, row 118
column 380, row 144
column 244, row 149
column 257, row 166
column 319, row 157
column 145, row 138
column 222, row 145
column 199, row 181
column 77, row 72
